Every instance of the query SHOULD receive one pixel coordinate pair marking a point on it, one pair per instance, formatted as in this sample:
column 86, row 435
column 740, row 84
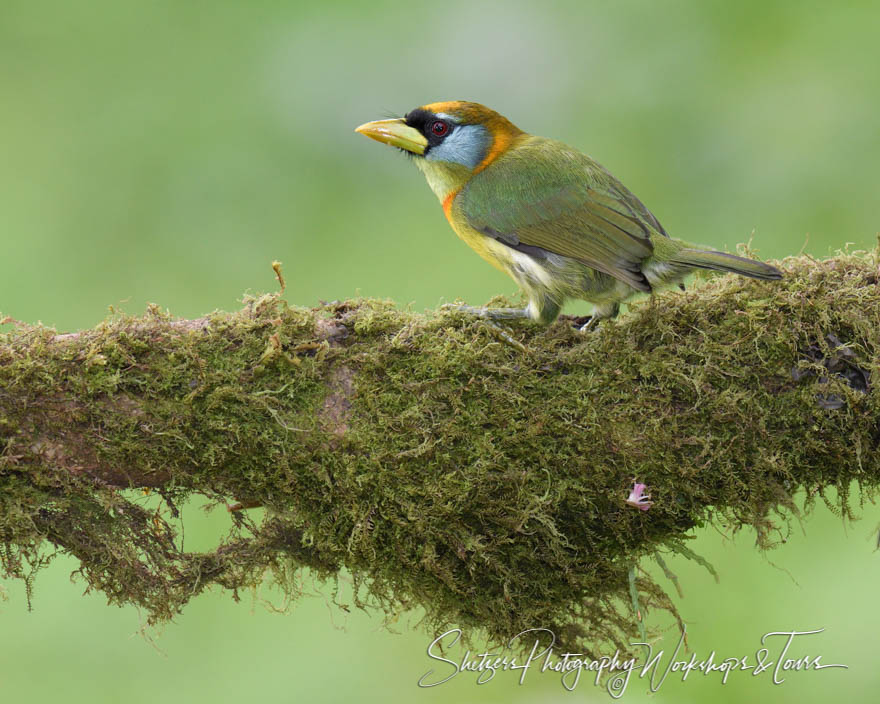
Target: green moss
column 443, row 468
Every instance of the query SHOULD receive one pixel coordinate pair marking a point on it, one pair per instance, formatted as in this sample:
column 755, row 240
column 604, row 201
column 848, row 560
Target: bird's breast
column 490, row 249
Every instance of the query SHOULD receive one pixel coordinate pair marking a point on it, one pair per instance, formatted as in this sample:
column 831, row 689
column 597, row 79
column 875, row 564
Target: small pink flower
column 638, row 499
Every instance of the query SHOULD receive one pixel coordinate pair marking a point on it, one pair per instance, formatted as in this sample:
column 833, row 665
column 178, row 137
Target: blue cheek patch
column 466, row 145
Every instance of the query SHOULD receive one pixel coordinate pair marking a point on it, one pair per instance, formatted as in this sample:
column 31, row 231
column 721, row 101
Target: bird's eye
column 439, row 128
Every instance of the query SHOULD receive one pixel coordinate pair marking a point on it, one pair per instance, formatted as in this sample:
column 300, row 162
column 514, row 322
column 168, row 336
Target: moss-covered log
column 441, row 466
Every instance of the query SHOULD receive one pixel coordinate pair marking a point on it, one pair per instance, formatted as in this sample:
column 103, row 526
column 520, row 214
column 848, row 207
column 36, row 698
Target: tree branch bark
column 442, row 467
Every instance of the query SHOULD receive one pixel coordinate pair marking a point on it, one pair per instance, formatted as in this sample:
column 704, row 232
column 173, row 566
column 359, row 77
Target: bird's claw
column 490, row 315
column 589, row 325
column 506, row 337
column 470, row 310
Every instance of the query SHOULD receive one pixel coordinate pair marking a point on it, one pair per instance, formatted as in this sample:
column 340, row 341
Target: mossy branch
column 441, row 467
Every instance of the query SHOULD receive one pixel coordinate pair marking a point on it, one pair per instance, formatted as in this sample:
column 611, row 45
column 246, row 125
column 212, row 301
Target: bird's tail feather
column 719, row 261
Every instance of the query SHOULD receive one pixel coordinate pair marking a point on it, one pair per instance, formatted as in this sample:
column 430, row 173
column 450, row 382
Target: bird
column 551, row 217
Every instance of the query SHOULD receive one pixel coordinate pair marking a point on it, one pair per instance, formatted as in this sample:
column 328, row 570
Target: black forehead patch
column 418, row 118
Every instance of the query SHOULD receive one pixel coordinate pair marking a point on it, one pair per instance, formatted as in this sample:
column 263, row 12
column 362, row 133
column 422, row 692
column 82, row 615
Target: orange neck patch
column 447, row 204
column 502, row 137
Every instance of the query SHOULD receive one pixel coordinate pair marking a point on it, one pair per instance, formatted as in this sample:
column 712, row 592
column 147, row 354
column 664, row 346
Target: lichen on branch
column 441, row 467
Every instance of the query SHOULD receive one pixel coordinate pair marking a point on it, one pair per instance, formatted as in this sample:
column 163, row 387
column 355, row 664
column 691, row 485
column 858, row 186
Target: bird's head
column 450, row 141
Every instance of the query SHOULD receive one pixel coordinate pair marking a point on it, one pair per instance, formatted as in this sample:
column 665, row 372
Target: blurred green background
column 168, row 151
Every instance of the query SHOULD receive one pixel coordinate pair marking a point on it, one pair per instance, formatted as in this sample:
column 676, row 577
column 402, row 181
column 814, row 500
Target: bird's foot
column 601, row 311
column 589, row 325
column 638, row 498
column 489, row 313
column 506, row 337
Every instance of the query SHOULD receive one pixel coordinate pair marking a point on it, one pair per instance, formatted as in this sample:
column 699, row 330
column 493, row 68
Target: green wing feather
column 544, row 194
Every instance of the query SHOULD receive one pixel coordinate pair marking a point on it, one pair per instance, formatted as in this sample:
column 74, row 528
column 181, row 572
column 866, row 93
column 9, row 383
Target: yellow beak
column 396, row 133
